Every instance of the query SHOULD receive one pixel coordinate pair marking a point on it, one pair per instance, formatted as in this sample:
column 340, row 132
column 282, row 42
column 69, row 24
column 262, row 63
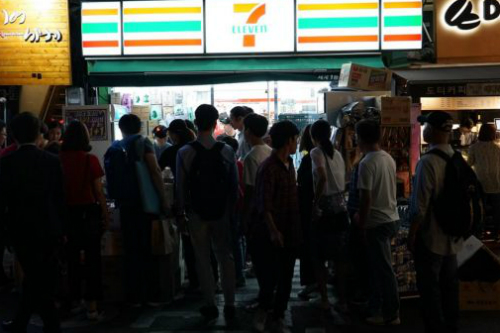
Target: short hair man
column 31, row 209
column 135, row 222
column 237, row 117
column 435, row 252
column 207, row 190
column 277, row 232
column 379, row 220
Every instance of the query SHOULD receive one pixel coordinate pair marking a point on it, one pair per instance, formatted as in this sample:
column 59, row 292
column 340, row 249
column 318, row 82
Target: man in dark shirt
column 276, row 233
column 31, row 203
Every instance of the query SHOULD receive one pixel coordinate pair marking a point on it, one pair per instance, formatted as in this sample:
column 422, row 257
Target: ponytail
column 321, row 132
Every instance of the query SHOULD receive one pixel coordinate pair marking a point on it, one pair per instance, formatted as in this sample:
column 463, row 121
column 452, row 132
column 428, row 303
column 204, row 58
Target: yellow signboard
column 34, row 42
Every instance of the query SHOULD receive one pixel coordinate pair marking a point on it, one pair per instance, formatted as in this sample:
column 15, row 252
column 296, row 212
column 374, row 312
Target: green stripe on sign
column 99, row 28
column 338, row 22
column 403, row 21
column 176, row 26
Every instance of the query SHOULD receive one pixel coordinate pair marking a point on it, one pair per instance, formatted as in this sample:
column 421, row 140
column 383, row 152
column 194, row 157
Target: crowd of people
column 235, row 198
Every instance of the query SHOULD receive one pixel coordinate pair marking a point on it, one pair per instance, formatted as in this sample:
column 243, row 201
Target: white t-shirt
column 377, row 173
column 252, row 162
column 336, row 169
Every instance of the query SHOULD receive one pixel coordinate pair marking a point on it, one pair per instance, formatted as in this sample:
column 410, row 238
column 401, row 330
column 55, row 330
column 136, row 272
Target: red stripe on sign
column 101, row 43
column 402, row 38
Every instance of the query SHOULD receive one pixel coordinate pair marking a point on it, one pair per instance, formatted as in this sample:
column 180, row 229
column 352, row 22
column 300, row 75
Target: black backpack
column 209, row 182
column 459, row 208
column 121, row 176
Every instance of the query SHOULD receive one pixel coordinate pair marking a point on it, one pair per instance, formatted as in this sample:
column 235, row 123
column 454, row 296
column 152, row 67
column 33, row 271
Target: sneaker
column 229, row 312
column 259, row 321
column 304, row 293
column 279, row 326
column 210, row 312
column 380, row 321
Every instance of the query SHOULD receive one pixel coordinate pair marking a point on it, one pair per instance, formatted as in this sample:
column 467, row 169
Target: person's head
column 206, row 118
column 179, row 132
column 190, row 125
column 321, row 133
column 237, row 115
column 255, row 127
column 55, row 131
column 306, row 143
column 487, row 133
column 368, row 134
column 76, row 137
column 466, row 125
column 3, row 133
column 25, row 128
column 284, row 135
column 130, row 124
column 230, row 141
column 160, row 134
column 437, row 127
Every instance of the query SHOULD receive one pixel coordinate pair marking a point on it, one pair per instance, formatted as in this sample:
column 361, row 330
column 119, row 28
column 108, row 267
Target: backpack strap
column 200, row 148
column 440, row 153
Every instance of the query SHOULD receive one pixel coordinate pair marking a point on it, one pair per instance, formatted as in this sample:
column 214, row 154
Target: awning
column 464, row 74
column 158, row 72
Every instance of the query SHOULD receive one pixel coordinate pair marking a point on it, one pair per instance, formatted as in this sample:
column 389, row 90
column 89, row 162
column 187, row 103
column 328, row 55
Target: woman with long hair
column 484, row 157
column 330, row 219
column 87, row 217
column 306, row 195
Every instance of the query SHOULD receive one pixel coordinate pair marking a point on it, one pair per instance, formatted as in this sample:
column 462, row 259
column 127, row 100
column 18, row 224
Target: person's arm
column 249, row 174
column 155, row 172
column 471, row 159
column 319, row 168
column 365, row 187
column 267, row 209
column 276, row 235
column 101, row 198
column 59, row 198
column 423, row 188
column 234, row 179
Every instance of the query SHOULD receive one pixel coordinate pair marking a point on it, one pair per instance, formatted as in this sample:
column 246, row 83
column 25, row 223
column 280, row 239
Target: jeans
column 437, row 282
column 190, row 261
column 204, row 235
column 274, row 268
column 385, row 294
column 136, row 229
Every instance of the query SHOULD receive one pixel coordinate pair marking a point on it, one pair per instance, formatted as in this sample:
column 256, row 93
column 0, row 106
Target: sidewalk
column 182, row 315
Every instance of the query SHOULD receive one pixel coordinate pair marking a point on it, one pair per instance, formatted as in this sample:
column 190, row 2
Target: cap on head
column 160, row 131
column 439, row 120
column 177, row 126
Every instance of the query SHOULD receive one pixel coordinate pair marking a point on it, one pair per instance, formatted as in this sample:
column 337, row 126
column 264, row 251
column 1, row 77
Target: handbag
column 149, row 197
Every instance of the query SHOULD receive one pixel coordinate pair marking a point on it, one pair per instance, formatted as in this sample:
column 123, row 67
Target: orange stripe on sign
column 249, row 41
column 162, row 42
column 257, row 14
column 402, row 38
column 99, row 12
column 101, row 43
column 337, row 39
column 402, row 5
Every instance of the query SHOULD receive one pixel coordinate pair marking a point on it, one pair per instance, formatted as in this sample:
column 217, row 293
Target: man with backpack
column 134, row 181
column 207, row 192
column 444, row 191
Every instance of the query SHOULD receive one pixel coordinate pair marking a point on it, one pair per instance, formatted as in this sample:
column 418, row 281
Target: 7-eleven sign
column 254, row 12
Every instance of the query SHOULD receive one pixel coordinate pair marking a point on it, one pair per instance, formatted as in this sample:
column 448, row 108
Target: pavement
column 182, row 316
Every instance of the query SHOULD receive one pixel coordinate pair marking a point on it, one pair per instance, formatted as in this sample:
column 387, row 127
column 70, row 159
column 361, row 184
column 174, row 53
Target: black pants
column 437, row 282
column 84, row 234
column 136, row 229
column 39, row 267
column 307, row 276
column 274, row 268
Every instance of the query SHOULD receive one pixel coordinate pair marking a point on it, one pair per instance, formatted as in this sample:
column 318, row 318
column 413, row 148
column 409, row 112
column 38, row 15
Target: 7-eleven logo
column 251, row 28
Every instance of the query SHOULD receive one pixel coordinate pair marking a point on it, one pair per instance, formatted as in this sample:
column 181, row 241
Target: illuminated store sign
column 171, row 27
column 34, row 42
column 462, row 14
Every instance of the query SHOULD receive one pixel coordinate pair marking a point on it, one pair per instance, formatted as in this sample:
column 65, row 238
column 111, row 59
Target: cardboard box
column 142, row 111
column 479, row 296
column 395, row 110
column 360, row 77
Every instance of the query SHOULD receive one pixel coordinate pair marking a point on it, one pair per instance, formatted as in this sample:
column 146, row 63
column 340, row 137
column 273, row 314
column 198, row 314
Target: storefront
column 277, row 57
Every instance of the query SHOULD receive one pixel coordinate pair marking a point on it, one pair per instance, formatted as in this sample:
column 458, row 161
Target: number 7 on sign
column 256, row 12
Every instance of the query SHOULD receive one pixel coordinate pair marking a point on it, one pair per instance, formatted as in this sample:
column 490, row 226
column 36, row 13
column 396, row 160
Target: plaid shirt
column 276, row 192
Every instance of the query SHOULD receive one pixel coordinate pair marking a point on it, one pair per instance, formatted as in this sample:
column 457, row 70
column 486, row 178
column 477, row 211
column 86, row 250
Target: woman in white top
column 330, row 221
column 484, row 157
